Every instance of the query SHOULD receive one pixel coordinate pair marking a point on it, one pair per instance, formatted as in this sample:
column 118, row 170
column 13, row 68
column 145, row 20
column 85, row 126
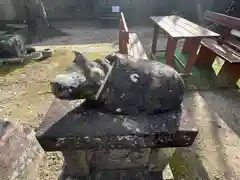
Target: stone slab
column 70, row 125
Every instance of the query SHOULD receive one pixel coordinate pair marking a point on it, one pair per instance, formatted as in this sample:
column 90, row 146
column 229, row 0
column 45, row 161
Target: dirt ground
column 25, row 96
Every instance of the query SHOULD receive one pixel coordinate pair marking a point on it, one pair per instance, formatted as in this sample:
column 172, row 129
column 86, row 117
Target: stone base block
column 130, row 174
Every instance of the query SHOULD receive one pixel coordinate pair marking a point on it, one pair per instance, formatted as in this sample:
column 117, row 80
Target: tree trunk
column 36, row 17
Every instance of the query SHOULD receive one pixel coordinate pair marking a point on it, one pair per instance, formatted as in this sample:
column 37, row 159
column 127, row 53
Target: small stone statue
column 121, row 84
column 14, row 50
column 12, row 46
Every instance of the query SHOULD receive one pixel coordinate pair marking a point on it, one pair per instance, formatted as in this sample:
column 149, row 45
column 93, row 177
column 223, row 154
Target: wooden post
column 159, row 159
column 205, row 57
column 154, row 41
column 123, row 35
column 171, row 47
column 36, row 17
column 193, row 45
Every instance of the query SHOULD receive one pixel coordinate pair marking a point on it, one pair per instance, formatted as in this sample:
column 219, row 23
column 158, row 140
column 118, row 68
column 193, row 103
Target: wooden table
column 180, row 28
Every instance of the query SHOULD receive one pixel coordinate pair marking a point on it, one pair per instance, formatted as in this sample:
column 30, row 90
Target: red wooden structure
column 227, row 47
column 123, row 35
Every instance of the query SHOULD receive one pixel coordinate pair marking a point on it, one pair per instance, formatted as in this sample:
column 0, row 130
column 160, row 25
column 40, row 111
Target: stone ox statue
column 121, row 84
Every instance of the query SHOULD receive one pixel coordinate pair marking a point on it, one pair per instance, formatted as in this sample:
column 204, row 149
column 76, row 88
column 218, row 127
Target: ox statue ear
column 79, row 57
column 111, row 57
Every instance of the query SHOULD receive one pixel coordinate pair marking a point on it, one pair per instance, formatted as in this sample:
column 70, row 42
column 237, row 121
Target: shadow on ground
column 215, row 151
column 41, row 34
column 226, row 103
column 78, row 35
column 187, row 165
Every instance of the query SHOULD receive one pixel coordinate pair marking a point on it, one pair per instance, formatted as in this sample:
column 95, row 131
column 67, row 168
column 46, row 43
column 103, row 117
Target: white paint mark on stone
column 129, row 138
column 69, row 79
column 137, row 130
column 122, row 96
column 134, row 77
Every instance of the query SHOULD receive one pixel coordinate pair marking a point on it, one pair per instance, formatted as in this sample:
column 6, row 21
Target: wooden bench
column 129, row 43
column 227, row 47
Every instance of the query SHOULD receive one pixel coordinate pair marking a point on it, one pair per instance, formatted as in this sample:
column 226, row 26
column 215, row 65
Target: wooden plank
column 197, row 30
column 124, row 23
column 234, row 44
column 193, row 53
column 123, row 35
column 155, row 37
column 235, row 32
column 222, row 51
column 167, row 28
column 178, row 26
column 222, row 19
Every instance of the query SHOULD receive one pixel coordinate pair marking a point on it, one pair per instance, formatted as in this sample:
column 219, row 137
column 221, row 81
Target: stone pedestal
column 119, row 164
column 104, row 146
column 76, row 163
column 159, row 159
column 20, row 152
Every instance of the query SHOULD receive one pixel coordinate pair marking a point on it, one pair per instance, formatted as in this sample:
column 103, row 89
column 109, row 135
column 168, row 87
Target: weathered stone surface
column 76, row 163
column 70, row 125
column 120, row 158
column 82, row 79
column 133, row 86
column 125, row 174
column 159, row 159
column 141, row 87
column 20, row 152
